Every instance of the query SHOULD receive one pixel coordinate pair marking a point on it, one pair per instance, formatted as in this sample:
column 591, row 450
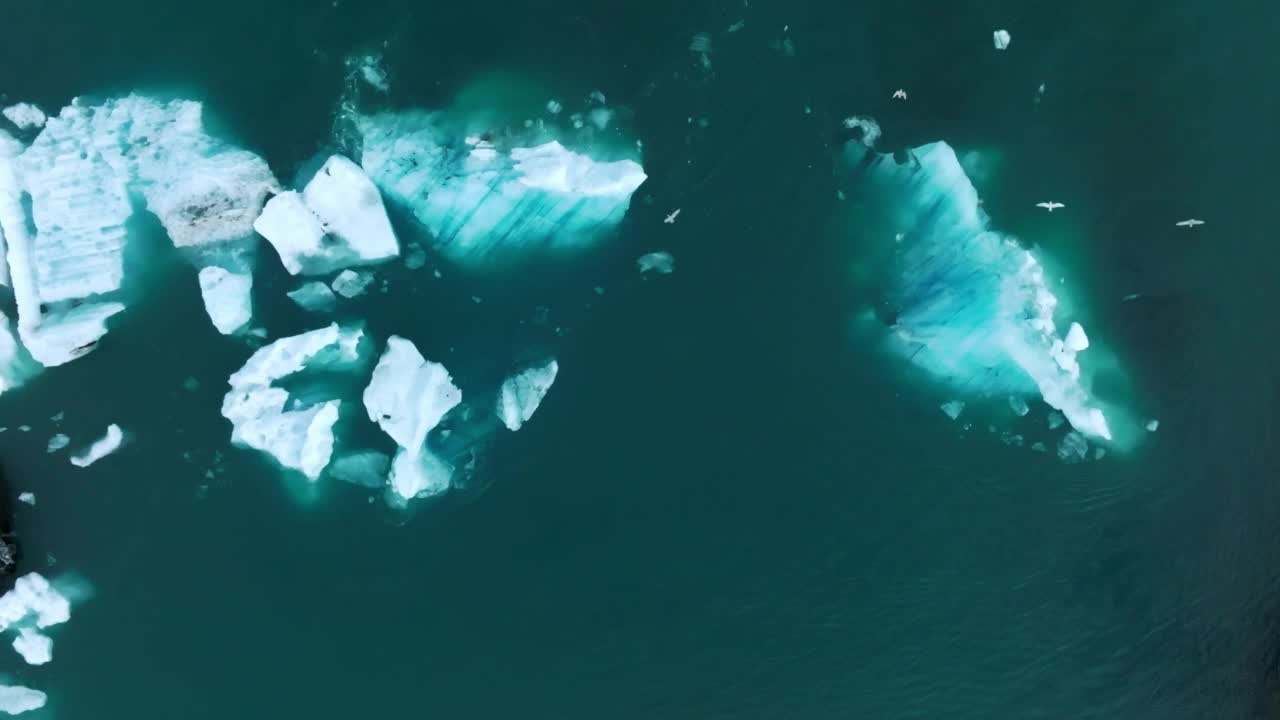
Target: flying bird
column 1189, row 223
column 1050, row 206
column 899, row 94
column 670, row 219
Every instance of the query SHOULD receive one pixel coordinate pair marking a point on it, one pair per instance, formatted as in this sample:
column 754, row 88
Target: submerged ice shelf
column 970, row 305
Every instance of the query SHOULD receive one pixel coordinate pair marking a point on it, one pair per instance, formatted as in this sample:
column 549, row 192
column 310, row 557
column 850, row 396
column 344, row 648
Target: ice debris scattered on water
column 264, row 417
column 522, row 393
column 34, row 646
column 661, row 262
column 16, row 699
column 314, row 296
column 351, row 284
column 82, row 174
column 228, row 298
column 953, row 408
column 1001, row 39
column 100, row 448
column 971, row 305
column 25, row 115
column 337, row 221
column 478, row 198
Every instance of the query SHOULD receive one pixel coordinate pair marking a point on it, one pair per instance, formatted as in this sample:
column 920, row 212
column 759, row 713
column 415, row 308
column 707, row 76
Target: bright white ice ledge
column 972, row 306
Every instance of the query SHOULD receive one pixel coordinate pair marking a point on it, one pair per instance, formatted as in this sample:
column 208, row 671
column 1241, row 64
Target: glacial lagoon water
column 736, row 500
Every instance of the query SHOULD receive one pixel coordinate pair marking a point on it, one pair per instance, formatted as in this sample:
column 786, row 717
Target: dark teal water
column 727, row 507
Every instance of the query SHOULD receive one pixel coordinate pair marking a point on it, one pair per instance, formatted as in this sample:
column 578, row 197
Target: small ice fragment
column 27, row 497
column 367, row 468
column 660, row 262
column 1001, row 39
column 953, row 408
column 1039, row 447
column 101, row 448
column 737, row 26
column 351, row 284
column 34, row 647
column 57, row 442
column 554, row 107
column 1019, row 405
column 1099, row 453
column 599, row 97
column 191, row 384
column 314, row 296
column 700, row 43
column 414, row 257
column 1130, row 296
column 227, row 298
column 1073, row 447
column 16, row 699
column 869, row 127
column 25, row 115
column 600, row 117
column 522, row 393
column 1056, row 419
column 1076, row 339
column 373, row 73
column 1153, row 425
column 24, row 428
column 57, row 417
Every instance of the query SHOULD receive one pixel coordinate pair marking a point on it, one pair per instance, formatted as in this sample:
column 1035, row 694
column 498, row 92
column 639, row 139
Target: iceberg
column 477, row 198
column 408, row 395
column 34, row 647
column 81, row 173
column 314, row 296
column 266, row 418
column 419, row 474
column 227, row 298
column 33, row 596
column 16, row 699
column 971, row 306
column 337, row 221
column 25, row 115
column 102, row 447
column 522, row 393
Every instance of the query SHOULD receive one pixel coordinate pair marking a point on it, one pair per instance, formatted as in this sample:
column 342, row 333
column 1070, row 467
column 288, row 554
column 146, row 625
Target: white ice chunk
column 661, row 262
column 102, row 447
column 554, row 168
column 25, row 115
column 314, row 296
column 409, row 395
column 523, row 392
column 1153, row 425
column 952, row 408
column 1073, row 447
column 16, row 699
column 1000, row 39
column 351, row 284
column 419, row 474
column 27, row 497
column 1076, row 340
column 868, row 125
column 338, row 221
column 57, row 442
column 1019, row 405
column 34, row 646
column 1055, row 419
column 262, row 415
column 227, row 298
column 32, row 595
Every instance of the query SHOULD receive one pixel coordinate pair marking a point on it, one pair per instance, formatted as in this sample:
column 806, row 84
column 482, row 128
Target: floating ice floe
column 522, row 393
column 267, row 418
column 1018, row 405
column 952, row 408
column 1001, row 39
column 25, row 115
column 16, row 699
column 351, row 284
column 34, row 646
column 478, row 198
column 32, row 597
column 27, row 497
column 972, row 307
column 102, row 447
column 661, row 262
column 81, row 173
column 337, row 221
column 1153, row 425
column 314, row 296
column 227, row 298
column 57, row 442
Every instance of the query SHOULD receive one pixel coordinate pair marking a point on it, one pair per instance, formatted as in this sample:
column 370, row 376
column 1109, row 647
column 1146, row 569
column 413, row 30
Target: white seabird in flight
column 899, row 94
column 1189, row 223
column 1050, row 206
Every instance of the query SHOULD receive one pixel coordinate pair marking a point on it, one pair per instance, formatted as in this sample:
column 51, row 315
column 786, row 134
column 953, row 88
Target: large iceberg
column 337, row 221
column 295, row 430
column 970, row 305
column 81, row 173
column 476, row 196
